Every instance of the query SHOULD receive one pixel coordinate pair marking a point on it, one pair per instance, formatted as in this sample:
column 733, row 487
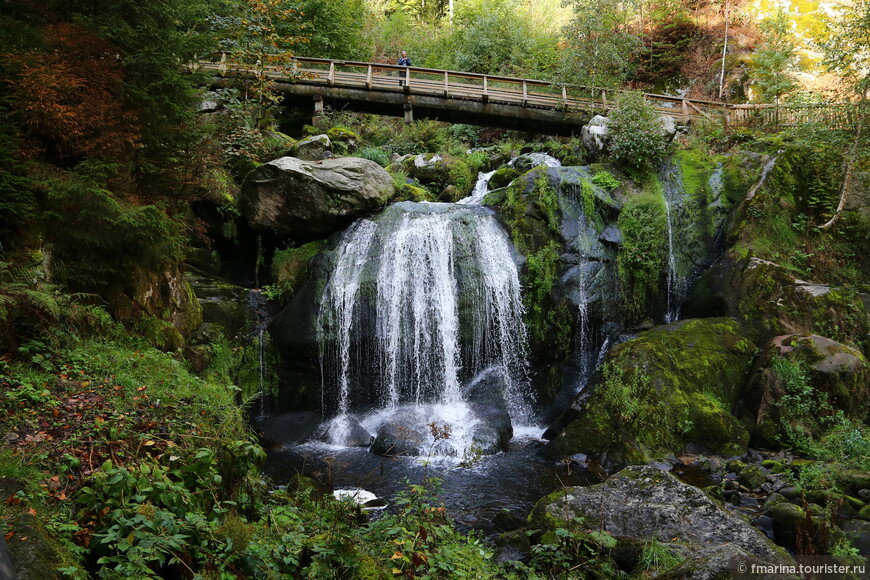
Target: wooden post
column 485, row 96
column 604, row 97
column 525, row 94
column 318, row 108
column 409, row 113
column 222, row 67
column 446, row 85
column 369, row 78
column 407, row 86
column 565, row 97
column 331, row 78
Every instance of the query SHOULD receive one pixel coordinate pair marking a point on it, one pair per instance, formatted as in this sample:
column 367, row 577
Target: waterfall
column 422, row 298
column 417, row 311
column 768, row 167
column 672, row 312
column 481, row 188
column 257, row 307
column 341, row 299
column 539, row 159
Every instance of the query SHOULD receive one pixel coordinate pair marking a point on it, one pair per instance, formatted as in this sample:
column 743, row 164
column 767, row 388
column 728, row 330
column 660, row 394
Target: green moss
column 289, row 269
column 641, row 259
column 587, row 199
column 342, row 135
column 651, row 401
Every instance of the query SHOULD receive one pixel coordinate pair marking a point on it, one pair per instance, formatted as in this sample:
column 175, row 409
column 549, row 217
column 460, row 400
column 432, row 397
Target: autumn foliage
column 70, row 97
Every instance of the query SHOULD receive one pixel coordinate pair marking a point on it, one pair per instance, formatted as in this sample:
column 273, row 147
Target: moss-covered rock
column 290, row 268
column 641, row 503
column 222, row 304
column 158, row 295
column 798, row 383
column 770, row 301
column 343, row 135
column 438, row 172
column 503, row 176
column 649, row 400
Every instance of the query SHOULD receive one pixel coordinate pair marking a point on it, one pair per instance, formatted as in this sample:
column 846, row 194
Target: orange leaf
column 32, row 511
column 9, row 535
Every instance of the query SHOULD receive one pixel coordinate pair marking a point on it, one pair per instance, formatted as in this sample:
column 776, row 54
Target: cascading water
column 422, row 299
column 672, row 311
column 481, row 188
column 257, row 306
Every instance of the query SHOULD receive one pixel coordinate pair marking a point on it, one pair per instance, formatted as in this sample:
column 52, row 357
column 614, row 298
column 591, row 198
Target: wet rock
column 673, row 405
column 312, row 148
column 306, row 200
column 611, row 235
column 642, row 502
column 401, row 434
column 836, row 370
column 787, row 518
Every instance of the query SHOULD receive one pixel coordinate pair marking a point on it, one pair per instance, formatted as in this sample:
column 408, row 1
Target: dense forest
column 130, row 443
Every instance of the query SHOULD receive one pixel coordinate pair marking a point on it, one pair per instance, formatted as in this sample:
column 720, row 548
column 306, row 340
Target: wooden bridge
column 497, row 101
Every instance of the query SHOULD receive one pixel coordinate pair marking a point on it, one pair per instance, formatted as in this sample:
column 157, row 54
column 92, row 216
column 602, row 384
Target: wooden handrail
column 448, row 83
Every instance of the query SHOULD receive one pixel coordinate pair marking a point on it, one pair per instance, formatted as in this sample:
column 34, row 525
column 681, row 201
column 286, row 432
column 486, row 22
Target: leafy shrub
column 637, row 139
column 425, row 136
column 605, row 179
column 375, row 154
column 641, row 259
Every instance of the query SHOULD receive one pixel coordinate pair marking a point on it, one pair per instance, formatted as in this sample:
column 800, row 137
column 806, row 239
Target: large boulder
column 306, row 200
column 642, row 503
column 447, row 176
column 770, row 301
column 806, row 371
column 669, row 390
column 595, row 135
column 312, row 148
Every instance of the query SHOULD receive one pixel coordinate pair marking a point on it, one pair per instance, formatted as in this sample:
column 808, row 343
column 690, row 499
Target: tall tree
column 847, row 52
column 600, row 43
column 775, row 60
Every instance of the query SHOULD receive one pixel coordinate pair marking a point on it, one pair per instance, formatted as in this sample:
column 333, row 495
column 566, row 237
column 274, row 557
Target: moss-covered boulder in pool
column 670, row 388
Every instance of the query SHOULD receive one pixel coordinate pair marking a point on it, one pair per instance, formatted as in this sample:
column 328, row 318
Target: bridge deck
column 528, row 100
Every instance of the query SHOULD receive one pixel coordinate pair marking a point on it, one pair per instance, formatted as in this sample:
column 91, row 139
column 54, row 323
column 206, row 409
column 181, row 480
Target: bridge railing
column 533, row 92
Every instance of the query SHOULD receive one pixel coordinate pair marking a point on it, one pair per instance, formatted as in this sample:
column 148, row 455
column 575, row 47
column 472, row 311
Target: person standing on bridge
column 404, row 61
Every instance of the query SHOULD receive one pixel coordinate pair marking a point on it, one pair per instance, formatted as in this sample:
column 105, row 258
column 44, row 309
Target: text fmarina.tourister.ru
column 802, row 569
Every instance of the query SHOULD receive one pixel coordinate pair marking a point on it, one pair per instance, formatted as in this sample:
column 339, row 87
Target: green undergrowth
column 289, row 269
column 642, row 258
column 782, row 222
column 138, row 468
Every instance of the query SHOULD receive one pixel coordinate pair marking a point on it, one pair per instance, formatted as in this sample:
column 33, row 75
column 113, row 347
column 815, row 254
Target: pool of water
column 488, row 495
